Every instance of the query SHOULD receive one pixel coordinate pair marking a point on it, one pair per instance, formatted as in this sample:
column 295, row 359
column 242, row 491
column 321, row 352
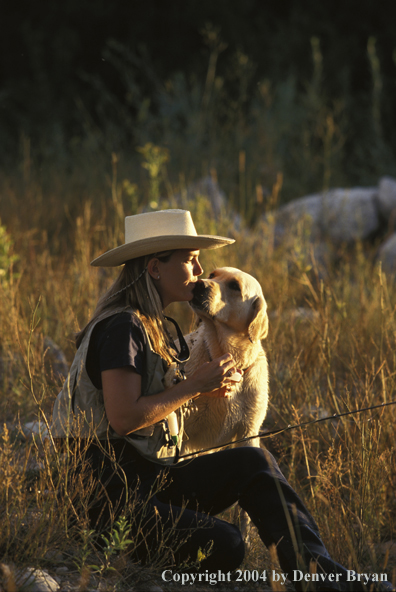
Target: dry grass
column 339, row 356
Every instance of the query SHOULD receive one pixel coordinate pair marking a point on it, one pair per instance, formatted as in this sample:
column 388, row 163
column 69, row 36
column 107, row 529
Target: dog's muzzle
column 200, row 295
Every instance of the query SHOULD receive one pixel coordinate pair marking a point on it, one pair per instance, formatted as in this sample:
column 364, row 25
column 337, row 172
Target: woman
column 115, row 401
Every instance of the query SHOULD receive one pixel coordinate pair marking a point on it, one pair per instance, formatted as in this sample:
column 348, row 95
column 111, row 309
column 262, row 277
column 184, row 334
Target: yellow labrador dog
column 233, row 313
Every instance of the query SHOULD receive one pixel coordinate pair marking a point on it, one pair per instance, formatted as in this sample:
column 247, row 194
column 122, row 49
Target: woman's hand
column 214, row 379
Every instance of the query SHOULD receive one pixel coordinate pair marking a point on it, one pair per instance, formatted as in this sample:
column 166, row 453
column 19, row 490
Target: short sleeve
column 116, row 342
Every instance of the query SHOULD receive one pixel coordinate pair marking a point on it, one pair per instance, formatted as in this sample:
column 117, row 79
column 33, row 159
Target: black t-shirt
column 116, row 342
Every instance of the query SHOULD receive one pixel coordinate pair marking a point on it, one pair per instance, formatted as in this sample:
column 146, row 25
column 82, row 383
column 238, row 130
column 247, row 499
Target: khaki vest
column 79, row 410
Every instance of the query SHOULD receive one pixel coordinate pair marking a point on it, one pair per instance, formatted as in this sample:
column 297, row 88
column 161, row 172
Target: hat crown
column 160, row 223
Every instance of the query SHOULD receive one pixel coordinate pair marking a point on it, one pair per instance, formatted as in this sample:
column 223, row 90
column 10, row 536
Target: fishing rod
column 272, row 433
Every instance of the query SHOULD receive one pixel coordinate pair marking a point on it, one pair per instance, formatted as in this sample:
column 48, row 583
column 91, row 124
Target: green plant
column 155, row 158
column 115, row 543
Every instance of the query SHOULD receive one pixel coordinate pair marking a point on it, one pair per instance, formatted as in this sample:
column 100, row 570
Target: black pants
column 194, row 491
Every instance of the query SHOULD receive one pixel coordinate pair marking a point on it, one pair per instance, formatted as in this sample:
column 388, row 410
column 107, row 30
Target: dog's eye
column 233, row 285
column 211, row 276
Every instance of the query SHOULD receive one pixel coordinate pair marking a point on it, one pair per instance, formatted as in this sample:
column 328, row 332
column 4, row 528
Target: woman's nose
column 198, row 269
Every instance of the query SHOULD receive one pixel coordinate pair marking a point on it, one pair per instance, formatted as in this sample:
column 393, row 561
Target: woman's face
column 175, row 278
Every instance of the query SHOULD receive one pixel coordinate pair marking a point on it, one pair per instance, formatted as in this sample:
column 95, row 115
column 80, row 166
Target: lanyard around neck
column 184, row 354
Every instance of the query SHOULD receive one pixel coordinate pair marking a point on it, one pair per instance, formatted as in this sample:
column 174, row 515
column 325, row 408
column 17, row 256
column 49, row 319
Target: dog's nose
column 198, row 293
column 199, row 288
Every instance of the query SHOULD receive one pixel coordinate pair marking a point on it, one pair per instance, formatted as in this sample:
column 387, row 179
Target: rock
column 34, row 429
column 387, row 255
column 300, row 215
column 56, row 358
column 321, row 256
column 67, row 587
column 349, row 215
column 338, row 215
column 35, row 580
column 387, row 198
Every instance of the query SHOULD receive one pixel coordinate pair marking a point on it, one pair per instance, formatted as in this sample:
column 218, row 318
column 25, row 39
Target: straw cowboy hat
column 152, row 232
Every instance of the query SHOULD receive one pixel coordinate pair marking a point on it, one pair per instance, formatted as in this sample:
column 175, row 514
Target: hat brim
column 149, row 246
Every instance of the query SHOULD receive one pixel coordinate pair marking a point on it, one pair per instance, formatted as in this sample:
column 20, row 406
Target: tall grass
column 337, row 356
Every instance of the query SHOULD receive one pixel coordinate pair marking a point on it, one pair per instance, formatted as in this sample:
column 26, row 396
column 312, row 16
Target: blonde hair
column 134, row 288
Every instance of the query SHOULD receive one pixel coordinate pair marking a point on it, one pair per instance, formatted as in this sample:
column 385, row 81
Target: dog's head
column 234, row 299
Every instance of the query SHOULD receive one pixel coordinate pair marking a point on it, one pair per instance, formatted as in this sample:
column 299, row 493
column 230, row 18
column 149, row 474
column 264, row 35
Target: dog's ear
column 258, row 320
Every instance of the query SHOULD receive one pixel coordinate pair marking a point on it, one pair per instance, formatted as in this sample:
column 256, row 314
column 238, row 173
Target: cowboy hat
column 152, row 232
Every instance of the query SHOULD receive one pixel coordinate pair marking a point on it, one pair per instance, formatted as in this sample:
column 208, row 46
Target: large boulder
column 387, row 255
column 387, row 199
column 349, row 215
column 298, row 216
column 56, row 359
column 342, row 216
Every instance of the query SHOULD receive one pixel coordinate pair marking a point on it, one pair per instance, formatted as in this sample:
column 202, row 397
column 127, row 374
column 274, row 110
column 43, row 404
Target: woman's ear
column 153, row 269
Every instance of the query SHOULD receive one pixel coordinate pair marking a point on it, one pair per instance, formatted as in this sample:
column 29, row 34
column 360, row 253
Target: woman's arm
column 128, row 411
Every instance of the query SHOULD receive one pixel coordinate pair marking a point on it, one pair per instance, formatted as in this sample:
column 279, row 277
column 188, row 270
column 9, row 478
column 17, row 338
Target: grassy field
column 331, row 349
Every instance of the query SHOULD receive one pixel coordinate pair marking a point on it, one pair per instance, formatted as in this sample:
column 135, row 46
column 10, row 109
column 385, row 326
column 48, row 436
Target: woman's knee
column 249, row 461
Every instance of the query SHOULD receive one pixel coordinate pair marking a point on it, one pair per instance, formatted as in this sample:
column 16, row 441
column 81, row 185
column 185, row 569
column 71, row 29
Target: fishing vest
column 79, row 410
